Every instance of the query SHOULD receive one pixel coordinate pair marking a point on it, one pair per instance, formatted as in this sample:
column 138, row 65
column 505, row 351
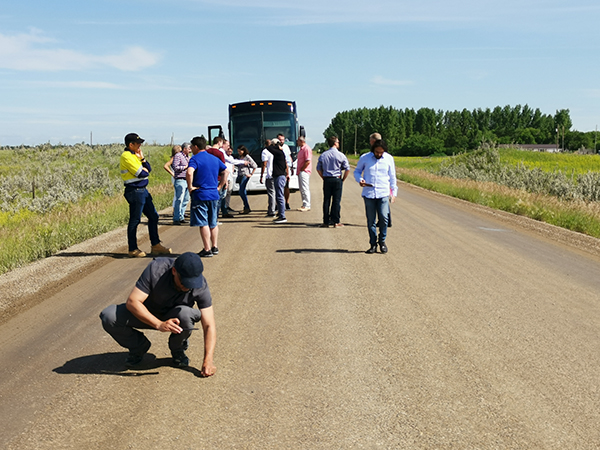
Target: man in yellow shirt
column 135, row 171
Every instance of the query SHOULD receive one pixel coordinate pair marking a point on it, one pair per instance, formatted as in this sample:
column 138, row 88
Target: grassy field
column 576, row 215
column 549, row 162
column 61, row 215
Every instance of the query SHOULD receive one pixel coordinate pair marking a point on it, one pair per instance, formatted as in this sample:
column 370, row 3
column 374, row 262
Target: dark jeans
column 140, row 201
column 242, row 191
column 121, row 324
column 332, row 198
column 378, row 212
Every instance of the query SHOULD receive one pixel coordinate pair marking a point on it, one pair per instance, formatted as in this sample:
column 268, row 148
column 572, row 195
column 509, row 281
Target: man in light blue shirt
column 330, row 166
column 376, row 173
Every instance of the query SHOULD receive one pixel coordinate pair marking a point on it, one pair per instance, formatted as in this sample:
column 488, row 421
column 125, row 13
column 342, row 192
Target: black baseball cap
column 133, row 137
column 189, row 267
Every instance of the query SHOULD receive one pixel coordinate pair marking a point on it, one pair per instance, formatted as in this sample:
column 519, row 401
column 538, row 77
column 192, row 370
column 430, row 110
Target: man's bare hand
column 170, row 326
column 208, row 369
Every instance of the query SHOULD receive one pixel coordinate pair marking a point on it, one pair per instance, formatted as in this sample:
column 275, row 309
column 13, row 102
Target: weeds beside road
column 78, row 194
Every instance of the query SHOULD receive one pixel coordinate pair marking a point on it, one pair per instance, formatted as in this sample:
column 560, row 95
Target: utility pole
column 355, row 135
column 342, row 142
column 91, row 139
column 596, row 140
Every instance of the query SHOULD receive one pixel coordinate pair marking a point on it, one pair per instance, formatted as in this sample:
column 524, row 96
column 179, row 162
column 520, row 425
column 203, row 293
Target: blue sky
column 171, row 67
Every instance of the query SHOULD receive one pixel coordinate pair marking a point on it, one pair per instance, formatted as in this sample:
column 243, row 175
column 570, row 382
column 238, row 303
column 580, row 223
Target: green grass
column 27, row 235
column 549, row 162
column 575, row 216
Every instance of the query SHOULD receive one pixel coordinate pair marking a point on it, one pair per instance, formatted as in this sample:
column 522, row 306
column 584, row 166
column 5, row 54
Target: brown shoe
column 160, row 250
column 137, row 253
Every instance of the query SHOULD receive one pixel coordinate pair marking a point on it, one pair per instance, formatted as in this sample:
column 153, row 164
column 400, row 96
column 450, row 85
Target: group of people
column 165, row 294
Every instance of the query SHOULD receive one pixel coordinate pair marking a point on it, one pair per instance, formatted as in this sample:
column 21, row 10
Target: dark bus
column 252, row 123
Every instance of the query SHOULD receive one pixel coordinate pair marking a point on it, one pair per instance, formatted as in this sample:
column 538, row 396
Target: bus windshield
column 253, row 128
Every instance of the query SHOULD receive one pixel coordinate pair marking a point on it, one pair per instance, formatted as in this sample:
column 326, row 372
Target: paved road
column 470, row 333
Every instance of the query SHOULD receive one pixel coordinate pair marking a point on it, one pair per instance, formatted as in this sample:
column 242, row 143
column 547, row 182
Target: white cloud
column 32, row 52
column 77, row 84
column 381, row 81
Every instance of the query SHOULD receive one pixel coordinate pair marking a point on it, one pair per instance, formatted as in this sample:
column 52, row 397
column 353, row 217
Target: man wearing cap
column 134, row 172
column 163, row 299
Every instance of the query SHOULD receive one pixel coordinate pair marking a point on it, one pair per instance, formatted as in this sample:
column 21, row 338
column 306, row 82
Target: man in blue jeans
column 330, row 166
column 134, row 172
column 376, row 174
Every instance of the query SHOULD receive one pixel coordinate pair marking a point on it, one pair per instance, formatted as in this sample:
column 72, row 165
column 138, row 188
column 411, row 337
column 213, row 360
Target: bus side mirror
column 302, row 131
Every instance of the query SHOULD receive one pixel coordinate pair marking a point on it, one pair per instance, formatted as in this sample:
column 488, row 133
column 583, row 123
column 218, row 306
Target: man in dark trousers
column 163, row 299
column 330, row 166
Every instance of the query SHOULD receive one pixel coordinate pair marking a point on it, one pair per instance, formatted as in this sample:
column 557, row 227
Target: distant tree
column 577, row 140
column 420, row 145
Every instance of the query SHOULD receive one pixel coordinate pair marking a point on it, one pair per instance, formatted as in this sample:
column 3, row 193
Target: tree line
column 427, row 131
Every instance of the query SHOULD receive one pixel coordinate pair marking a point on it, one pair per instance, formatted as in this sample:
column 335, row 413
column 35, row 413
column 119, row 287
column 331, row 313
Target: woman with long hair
column 244, row 174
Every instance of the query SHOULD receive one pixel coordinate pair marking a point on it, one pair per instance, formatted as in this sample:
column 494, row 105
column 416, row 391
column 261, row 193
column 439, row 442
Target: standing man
column 182, row 195
column 374, row 137
column 266, row 171
column 280, row 176
column 163, row 299
column 376, row 174
column 134, row 172
column 203, row 183
column 288, row 159
column 330, row 166
column 377, row 137
column 304, row 165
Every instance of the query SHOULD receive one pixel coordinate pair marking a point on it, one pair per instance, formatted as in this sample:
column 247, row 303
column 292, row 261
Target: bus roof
column 264, row 105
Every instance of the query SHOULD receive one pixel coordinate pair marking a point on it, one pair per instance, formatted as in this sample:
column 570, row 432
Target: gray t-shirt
column 157, row 281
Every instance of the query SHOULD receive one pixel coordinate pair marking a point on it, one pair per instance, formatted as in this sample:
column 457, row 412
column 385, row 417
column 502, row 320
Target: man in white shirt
column 376, row 174
column 288, row 158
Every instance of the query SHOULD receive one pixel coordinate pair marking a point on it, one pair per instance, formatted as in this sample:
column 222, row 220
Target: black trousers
column 332, row 198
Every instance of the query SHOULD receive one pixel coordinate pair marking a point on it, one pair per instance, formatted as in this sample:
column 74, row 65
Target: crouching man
column 163, row 299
